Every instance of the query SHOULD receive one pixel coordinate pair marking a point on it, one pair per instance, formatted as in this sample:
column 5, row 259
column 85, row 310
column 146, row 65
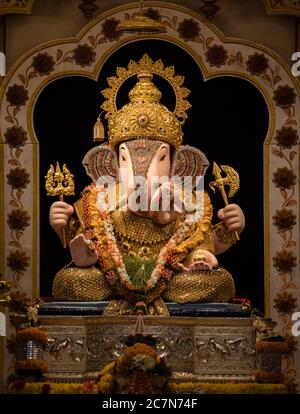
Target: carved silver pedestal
column 203, row 348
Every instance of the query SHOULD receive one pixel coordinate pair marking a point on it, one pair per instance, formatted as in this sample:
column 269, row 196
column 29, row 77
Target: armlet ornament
column 71, row 229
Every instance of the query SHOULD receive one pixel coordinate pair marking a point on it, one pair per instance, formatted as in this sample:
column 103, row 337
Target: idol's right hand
column 59, row 215
column 82, row 251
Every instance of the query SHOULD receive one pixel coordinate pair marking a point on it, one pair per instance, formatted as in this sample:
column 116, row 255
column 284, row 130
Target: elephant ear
column 189, row 161
column 101, row 164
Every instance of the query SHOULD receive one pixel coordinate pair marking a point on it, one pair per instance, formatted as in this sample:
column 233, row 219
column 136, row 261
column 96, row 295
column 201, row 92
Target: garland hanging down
column 100, row 231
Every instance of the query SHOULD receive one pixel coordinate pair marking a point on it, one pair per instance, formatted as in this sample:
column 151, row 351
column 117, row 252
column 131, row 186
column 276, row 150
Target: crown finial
column 144, row 90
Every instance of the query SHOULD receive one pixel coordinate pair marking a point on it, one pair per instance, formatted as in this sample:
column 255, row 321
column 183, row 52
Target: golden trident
column 231, row 179
column 60, row 183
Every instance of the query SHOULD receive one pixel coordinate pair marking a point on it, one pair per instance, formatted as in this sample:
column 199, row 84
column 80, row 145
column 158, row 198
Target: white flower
column 143, row 362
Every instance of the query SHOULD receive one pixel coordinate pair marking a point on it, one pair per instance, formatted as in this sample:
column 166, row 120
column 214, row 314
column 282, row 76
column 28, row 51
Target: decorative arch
column 216, row 55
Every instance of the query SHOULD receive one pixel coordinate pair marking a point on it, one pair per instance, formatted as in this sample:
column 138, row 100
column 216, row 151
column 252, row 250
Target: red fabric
column 241, row 301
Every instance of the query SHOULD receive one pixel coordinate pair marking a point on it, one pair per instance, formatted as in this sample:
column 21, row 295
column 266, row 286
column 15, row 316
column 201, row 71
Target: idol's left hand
column 233, row 217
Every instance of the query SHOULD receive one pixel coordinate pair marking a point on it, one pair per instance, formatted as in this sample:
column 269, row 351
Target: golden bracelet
column 199, row 256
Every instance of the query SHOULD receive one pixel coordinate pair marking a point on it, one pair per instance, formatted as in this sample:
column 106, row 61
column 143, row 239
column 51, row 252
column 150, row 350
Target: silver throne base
column 196, row 348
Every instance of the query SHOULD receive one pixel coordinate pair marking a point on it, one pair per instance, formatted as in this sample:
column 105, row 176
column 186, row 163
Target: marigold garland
column 31, row 334
column 228, row 388
column 210, row 388
column 268, row 377
column 106, row 384
column 108, row 368
column 31, row 365
column 99, row 229
column 124, row 361
column 55, row 388
column 283, row 347
column 139, row 370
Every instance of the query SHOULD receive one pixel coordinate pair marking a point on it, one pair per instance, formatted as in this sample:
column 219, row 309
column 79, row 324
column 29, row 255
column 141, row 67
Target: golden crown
column 144, row 117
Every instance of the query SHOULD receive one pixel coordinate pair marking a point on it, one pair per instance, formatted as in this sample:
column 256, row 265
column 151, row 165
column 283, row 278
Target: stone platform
column 206, row 348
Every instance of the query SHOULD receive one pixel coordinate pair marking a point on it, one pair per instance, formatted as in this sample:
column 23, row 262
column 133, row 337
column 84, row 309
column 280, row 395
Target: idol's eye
column 163, row 158
column 123, row 158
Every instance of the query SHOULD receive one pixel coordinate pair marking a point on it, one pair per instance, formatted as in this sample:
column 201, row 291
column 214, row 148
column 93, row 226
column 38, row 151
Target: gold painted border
column 283, row 10
column 267, row 248
column 35, row 221
column 171, row 321
column 17, row 9
column 2, row 258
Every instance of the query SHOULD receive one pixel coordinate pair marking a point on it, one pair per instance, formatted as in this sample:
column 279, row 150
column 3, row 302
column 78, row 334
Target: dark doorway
column 228, row 121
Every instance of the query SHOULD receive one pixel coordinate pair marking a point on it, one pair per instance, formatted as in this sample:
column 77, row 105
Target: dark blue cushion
column 175, row 309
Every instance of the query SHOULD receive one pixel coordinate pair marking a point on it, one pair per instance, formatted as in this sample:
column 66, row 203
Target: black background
column 228, row 121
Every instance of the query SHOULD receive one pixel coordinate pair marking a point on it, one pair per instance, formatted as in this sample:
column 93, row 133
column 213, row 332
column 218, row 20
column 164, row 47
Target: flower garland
column 104, row 386
column 100, row 230
column 22, row 387
column 31, row 365
column 32, row 334
column 286, row 346
column 148, row 357
column 138, row 370
column 271, row 377
column 228, row 388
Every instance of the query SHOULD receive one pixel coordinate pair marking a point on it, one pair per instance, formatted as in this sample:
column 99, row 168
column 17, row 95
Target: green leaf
column 138, row 270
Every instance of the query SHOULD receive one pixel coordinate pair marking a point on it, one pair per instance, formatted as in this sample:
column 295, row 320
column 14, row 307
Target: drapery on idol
column 150, row 254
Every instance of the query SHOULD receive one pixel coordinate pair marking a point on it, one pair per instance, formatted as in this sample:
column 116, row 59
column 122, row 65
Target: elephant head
column 143, row 159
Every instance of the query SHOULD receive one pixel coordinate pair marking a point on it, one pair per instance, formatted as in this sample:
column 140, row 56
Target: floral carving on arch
column 216, row 55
